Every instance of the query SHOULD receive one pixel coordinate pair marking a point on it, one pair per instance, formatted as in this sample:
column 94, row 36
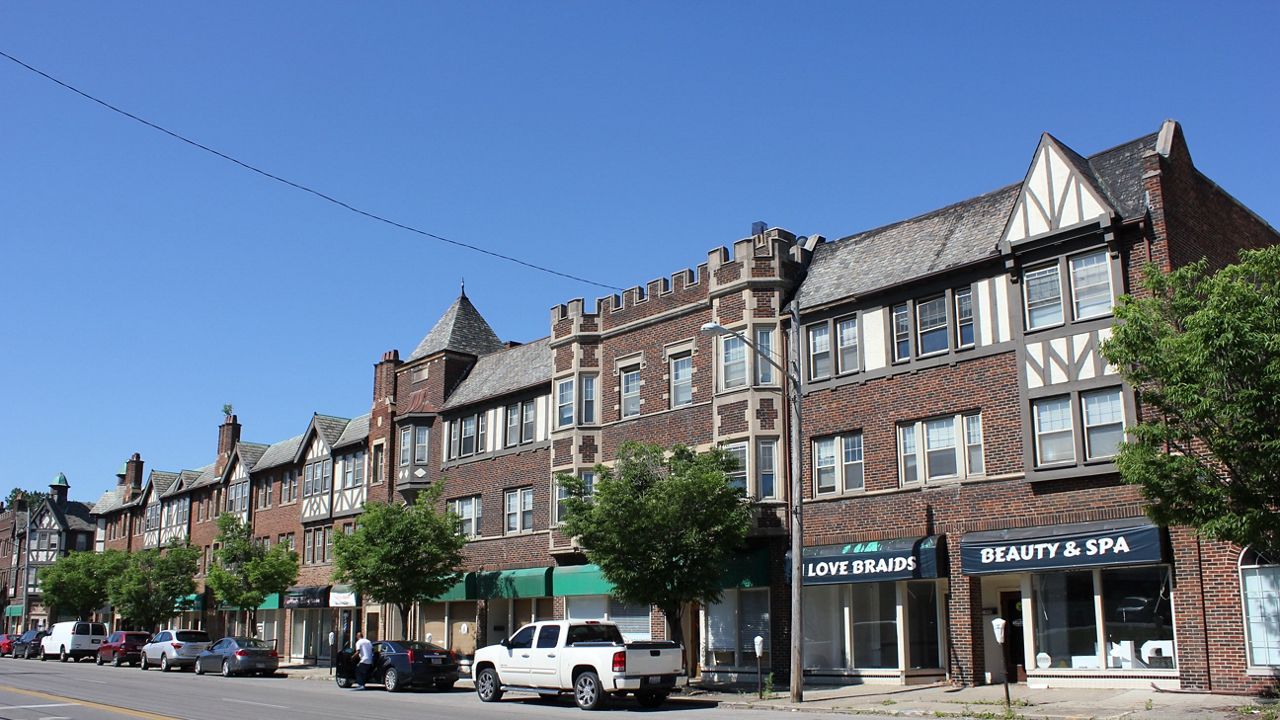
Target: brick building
column 960, row 425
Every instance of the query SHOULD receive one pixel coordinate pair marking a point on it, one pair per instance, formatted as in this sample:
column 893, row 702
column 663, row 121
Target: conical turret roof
column 461, row 329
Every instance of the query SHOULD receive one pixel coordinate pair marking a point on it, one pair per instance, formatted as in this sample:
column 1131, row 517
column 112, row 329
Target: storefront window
column 922, row 625
column 824, row 625
column 1260, row 581
column 733, row 623
column 1066, row 625
column 1137, row 614
column 875, row 625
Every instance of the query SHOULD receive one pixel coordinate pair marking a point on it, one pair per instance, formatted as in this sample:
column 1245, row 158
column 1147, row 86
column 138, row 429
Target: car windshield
column 254, row 643
column 192, row 636
column 422, row 647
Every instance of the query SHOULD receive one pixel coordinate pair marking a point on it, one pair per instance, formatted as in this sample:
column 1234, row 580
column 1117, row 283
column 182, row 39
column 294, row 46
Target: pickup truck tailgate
column 654, row 658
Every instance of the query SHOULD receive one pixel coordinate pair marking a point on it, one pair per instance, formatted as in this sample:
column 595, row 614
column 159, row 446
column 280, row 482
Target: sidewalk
column 945, row 701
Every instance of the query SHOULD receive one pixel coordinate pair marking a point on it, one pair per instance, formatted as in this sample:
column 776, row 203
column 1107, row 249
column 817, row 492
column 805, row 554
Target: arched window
column 1260, row 586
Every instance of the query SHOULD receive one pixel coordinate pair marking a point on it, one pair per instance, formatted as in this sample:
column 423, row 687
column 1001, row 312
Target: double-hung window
column 528, row 421
column 513, row 425
column 519, row 510
column 931, row 322
column 406, row 444
column 851, row 468
column 1090, row 285
column 468, row 511
column 738, row 476
column 940, row 448
column 901, row 333
column 587, row 413
column 564, row 403
column 733, row 361
column 837, row 462
column 1055, row 432
column 824, row 463
column 631, row 391
column 588, row 485
column 766, row 469
column 1103, row 412
column 964, row 317
column 847, row 345
column 819, row 351
column 681, row 380
column 1043, row 288
column 467, row 444
column 764, row 348
column 420, row 437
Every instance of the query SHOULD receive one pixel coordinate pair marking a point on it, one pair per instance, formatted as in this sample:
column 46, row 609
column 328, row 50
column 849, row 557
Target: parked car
column 239, row 656
column 586, row 657
column 402, row 664
column 122, row 647
column 28, row 644
column 6, row 644
column 173, row 649
column 73, row 640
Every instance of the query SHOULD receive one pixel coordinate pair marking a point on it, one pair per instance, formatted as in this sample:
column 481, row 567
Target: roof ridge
column 1117, row 146
column 925, row 215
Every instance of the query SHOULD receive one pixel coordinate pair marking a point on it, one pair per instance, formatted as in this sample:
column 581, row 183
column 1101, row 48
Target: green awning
column 579, row 580
column 189, row 603
column 271, row 603
column 522, row 583
column 748, row 569
column 464, row 589
column 13, row 611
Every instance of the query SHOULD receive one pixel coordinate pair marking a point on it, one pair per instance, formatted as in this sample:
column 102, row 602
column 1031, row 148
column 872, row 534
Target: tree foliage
column 33, row 497
column 661, row 525
column 77, row 582
column 246, row 572
column 153, row 583
column 400, row 554
column 1203, row 352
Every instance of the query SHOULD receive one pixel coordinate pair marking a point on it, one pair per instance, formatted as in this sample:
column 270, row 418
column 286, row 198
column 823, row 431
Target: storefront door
column 1014, row 643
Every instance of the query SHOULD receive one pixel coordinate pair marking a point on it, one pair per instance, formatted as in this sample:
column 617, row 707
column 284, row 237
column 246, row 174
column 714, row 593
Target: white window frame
column 629, row 399
column 900, row 335
column 468, row 510
column 677, row 381
column 733, row 372
column 589, row 482
column 1037, row 432
column 818, row 335
column 841, row 368
column 565, row 402
column 1084, row 420
column 961, row 320
column 1075, row 296
column 528, row 421
column 1053, row 269
column 421, row 443
column 920, row 329
column 738, row 478
column 406, row 445
column 825, row 462
column 587, row 400
column 521, row 510
column 835, row 464
column 1254, row 562
column 918, row 450
column 766, row 465
column 764, row 346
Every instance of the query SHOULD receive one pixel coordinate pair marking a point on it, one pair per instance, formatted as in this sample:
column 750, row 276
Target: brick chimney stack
column 228, row 436
column 132, row 476
column 384, row 379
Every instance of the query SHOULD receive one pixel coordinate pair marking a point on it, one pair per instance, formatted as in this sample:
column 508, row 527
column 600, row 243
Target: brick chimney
column 384, row 379
column 228, row 436
column 132, row 479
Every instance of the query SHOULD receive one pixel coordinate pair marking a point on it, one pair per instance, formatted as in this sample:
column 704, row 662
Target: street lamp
column 792, row 374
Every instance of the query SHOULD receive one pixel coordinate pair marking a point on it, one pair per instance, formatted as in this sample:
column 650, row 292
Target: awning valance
column 463, row 589
column 1129, row 541
column 521, row 583
column 189, row 603
column 579, row 580
column 914, row 558
column 13, row 611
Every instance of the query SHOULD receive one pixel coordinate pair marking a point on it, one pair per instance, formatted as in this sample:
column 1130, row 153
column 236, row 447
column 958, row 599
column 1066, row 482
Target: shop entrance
column 1014, row 646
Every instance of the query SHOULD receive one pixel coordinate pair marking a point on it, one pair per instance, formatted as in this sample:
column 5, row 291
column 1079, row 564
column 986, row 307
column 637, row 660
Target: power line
column 299, row 186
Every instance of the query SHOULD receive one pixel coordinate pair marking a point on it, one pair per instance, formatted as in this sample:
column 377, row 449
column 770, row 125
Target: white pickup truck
column 585, row 657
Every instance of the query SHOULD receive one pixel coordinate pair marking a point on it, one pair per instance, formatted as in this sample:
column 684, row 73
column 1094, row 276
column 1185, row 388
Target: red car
column 122, row 647
column 6, row 644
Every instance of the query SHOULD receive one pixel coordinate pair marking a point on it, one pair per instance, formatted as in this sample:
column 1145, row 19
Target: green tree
column 662, row 525
column 400, row 554
column 1202, row 351
column 153, row 584
column 33, row 497
column 77, row 582
column 246, row 572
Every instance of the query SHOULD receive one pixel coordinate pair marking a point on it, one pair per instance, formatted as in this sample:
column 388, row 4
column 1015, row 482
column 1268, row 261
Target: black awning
column 1129, row 541
column 913, row 558
column 308, row 596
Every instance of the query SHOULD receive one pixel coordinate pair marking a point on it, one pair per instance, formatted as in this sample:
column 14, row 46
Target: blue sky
column 146, row 283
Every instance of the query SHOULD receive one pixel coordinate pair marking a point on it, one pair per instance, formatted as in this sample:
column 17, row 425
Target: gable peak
column 462, row 329
column 1059, row 191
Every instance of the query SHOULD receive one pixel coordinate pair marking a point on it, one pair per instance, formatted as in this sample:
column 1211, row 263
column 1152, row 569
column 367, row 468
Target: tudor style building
column 961, row 426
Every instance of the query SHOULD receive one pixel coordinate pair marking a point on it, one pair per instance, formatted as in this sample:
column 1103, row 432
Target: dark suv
column 122, row 647
column 28, row 644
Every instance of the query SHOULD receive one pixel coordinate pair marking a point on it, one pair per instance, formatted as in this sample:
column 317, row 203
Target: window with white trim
column 681, row 371
column 406, row 444
column 1043, row 296
column 764, row 344
column 1090, row 285
column 630, row 391
column 738, row 476
column 468, row 511
column 519, row 510
column 940, row 448
column 846, row 345
column 421, row 436
column 1054, row 430
column 963, row 299
column 1260, row 588
column 587, row 412
column 588, row 485
column 931, row 326
column 564, row 403
column 766, row 469
column 733, row 362
column 819, row 351
column 1103, row 413
column 469, row 435
column 901, row 333
column 838, row 465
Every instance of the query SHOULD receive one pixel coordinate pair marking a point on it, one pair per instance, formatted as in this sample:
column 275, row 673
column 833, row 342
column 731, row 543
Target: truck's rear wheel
column 487, row 685
column 587, row 692
column 650, row 699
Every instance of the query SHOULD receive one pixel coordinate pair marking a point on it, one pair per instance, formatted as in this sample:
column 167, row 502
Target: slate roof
column 956, row 235
column 503, row 372
column 461, row 328
column 110, row 501
column 250, row 454
column 356, row 431
column 330, row 427
column 207, row 477
column 280, row 453
column 79, row 516
column 186, row 479
column 162, row 480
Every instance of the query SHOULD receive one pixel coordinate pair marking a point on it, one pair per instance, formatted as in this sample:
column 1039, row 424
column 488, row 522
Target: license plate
column 437, row 661
column 95, row 642
column 654, row 679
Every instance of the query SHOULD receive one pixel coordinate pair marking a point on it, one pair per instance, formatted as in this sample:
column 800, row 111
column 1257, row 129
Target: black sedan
column 239, row 656
column 28, row 644
column 402, row 664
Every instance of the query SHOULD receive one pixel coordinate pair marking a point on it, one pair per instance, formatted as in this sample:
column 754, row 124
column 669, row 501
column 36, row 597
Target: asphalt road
column 33, row 690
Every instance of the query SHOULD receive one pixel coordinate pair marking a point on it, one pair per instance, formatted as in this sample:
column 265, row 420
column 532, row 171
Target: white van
column 72, row 640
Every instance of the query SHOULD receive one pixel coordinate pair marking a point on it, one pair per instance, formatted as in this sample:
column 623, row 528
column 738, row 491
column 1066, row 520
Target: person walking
column 364, row 653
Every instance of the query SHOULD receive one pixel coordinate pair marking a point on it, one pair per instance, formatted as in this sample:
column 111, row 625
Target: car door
column 156, row 646
column 207, row 660
column 513, row 665
column 383, row 656
column 544, row 657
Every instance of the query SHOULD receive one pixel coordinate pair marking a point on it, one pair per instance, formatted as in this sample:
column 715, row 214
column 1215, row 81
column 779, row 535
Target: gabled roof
column 248, row 454
column 962, row 234
column 280, row 453
column 110, row 501
column 161, row 481
column 500, row 373
column 356, row 431
column 75, row 515
column 461, row 329
column 186, row 480
column 207, row 476
column 328, row 427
